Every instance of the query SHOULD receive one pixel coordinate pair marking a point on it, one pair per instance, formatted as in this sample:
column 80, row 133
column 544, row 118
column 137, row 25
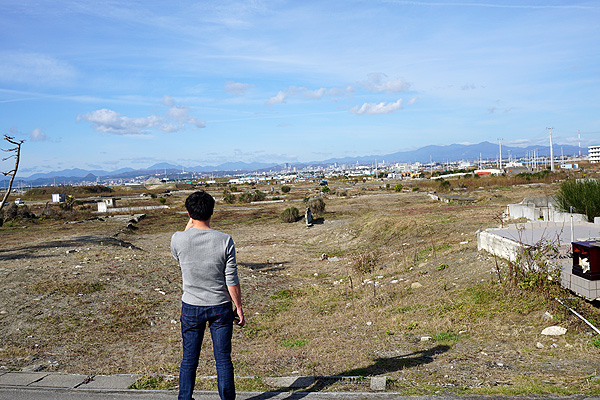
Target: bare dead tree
column 16, row 154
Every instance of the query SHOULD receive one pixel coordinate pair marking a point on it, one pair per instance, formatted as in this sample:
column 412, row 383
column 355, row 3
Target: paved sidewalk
column 65, row 381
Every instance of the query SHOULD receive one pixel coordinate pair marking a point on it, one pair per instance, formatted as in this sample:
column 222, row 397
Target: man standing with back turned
column 210, row 284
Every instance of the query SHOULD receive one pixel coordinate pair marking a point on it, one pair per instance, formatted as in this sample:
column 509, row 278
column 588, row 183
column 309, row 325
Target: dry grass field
column 403, row 292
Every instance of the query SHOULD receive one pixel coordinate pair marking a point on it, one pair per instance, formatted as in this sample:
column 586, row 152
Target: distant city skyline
column 105, row 85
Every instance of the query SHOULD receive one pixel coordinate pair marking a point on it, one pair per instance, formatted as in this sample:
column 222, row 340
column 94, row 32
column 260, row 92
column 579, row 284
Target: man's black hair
column 200, row 205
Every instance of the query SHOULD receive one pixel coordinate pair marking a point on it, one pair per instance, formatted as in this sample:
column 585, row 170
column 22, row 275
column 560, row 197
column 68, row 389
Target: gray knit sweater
column 208, row 266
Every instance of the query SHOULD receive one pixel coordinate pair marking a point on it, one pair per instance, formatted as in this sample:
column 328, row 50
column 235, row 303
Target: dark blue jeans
column 193, row 323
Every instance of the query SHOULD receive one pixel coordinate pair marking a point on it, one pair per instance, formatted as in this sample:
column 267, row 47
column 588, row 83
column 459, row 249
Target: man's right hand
column 239, row 319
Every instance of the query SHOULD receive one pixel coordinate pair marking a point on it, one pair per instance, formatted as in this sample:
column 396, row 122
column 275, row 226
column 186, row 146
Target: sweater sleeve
column 231, row 274
column 173, row 250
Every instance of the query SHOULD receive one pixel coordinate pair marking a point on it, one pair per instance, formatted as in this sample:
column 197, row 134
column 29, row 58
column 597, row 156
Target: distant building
column 58, row 197
column 107, row 203
column 594, row 153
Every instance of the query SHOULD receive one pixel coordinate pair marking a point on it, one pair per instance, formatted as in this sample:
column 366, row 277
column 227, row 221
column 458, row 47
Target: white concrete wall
column 559, row 216
column 498, row 245
column 548, row 214
column 516, row 211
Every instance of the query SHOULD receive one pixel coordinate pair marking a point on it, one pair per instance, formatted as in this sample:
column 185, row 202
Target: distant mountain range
column 453, row 152
column 458, row 152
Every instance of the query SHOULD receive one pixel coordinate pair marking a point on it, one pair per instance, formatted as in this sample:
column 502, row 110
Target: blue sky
column 110, row 84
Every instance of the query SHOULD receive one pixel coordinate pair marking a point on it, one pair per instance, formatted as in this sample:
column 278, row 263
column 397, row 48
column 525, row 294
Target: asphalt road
column 78, row 394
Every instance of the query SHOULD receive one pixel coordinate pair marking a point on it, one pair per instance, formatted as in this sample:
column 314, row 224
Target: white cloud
column 168, row 101
column 34, row 68
column 377, row 82
column 279, row 98
column 181, row 115
column 237, row 88
column 38, row 135
column 109, row 121
column 310, row 94
column 377, row 108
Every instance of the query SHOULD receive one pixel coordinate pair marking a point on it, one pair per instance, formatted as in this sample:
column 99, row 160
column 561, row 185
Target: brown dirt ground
column 97, row 298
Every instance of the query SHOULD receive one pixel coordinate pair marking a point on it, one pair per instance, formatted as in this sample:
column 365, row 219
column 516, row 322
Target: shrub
column 162, row 200
column 258, row 196
column 365, row 262
column 398, row 188
column 290, row 215
column 249, row 197
column 12, row 211
column 415, row 189
column 325, row 189
column 245, row 197
column 583, row 196
column 285, row 189
column 316, row 205
column 228, row 197
column 444, row 184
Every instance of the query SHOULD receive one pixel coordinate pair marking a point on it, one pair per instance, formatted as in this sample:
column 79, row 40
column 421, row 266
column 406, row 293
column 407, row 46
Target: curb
column 57, row 380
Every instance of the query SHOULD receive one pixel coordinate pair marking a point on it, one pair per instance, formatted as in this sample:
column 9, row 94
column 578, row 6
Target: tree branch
column 13, row 172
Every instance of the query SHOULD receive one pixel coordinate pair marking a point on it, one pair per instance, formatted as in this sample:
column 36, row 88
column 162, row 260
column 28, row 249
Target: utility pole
column 551, row 151
column 579, row 136
column 500, row 160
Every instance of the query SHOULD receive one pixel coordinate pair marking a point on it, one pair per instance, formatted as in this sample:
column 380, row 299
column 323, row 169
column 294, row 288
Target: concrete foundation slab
column 508, row 241
column 110, row 382
column 60, row 381
column 14, row 378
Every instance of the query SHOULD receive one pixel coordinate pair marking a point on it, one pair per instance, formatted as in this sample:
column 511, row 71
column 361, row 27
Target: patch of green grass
column 294, row 343
column 596, row 342
column 154, row 382
column 446, row 337
column 408, row 388
column 528, row 388
column 411, row 326
column 130, row 314
column 426, row 252
column 487, row 300
column 67, row 287
column 254, row 384
column 283, row 299
column 402, row 310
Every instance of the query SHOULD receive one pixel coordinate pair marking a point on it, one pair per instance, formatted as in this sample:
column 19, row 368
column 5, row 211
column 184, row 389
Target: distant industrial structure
column 594, row 154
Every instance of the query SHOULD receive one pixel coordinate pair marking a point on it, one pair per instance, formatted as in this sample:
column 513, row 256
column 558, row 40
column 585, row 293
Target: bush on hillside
column 249, row 197
column 228, row 197
column 290, row 215
column 317, row 205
